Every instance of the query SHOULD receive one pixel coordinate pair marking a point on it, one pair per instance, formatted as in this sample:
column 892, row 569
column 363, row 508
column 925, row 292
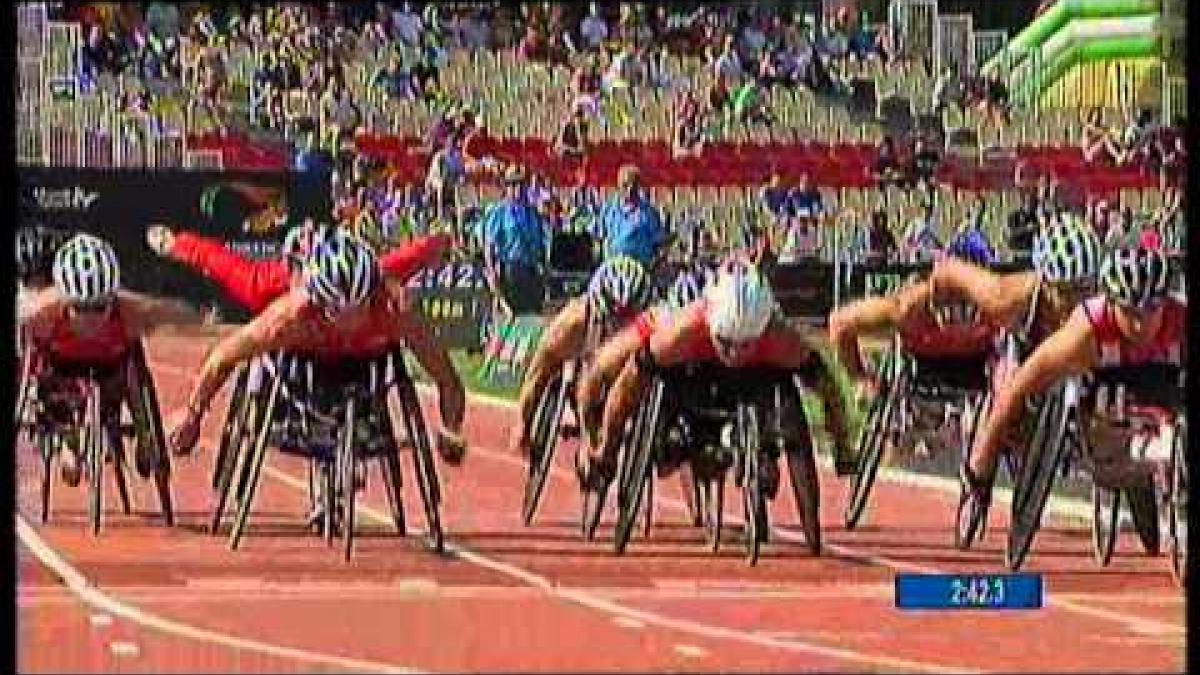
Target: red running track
column 511, row 598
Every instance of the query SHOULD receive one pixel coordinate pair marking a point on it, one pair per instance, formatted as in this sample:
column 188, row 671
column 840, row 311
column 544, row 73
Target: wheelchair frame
column 751, row 440
column 901, row 386
column 249, row 422
column 1058, row 439
column 138, row 397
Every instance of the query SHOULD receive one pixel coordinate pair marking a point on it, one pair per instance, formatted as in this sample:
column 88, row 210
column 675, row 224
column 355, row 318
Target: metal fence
column 914, row 26
column 954, row 45
column 66, row 116
column 988, row 43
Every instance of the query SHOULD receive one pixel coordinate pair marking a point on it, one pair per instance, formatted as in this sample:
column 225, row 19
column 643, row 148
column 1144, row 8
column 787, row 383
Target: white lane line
column 626, row 622
column 94, row 597
column 691, row 651
column 124, row 649
column 1135, row 624
column 593, row 601
column 100, row 620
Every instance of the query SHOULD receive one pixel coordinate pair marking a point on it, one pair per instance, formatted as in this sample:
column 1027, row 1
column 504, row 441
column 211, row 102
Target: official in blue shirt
column 629, row 224
column 514, row 247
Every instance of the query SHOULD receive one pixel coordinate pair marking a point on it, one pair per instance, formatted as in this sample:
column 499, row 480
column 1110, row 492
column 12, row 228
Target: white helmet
column 86, row 271
column 740, row 304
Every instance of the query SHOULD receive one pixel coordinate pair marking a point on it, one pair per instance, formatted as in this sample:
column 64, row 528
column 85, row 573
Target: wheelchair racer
column 619, row 289
column 345, row 308
column 85, row 321
column 1135, row 321
column 253, row 284
column 735, row 324
column 947, row 329
column 1031, row 306
column 35, row 267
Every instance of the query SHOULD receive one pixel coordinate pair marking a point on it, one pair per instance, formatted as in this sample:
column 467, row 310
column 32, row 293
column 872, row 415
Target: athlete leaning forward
column 734, row 325
column 83, row 347
column 332, row 303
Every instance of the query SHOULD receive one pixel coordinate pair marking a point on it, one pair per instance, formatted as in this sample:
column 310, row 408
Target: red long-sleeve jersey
column 253, row 284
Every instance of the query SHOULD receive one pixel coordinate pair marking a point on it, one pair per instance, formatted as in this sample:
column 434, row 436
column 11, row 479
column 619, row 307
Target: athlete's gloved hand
column 451, row 446
column 185, row 434
column 160, row 239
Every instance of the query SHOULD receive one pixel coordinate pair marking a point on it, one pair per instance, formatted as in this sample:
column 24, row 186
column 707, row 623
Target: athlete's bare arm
column 148, row 313
column 869, row 316
column 563, row 340
column 275, row 328
column 603, row 371
column 433, row 359
column 1002, row 298
column 1071, row 350
column 667, row 348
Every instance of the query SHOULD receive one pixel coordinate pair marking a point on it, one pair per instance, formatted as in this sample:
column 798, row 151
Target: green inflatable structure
column 1077, row 32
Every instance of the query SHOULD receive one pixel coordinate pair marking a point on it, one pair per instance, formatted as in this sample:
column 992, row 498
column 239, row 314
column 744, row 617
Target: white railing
column 203, row 159
column 988, row 43
column 954, row 45
column 914, row 26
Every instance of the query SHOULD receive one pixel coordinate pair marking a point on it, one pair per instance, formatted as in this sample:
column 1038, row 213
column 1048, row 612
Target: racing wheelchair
column 61, row 404
column 339, row 427
column 908, row 382
column 722, row 419
column 1076, row 427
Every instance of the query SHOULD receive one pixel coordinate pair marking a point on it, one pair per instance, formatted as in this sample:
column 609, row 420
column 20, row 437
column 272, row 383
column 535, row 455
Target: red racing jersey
column 253, row 284
column 1164, row 347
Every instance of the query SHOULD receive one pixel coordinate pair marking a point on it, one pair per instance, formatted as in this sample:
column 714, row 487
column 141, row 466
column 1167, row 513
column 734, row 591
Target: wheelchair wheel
column 119, row 467
column 243, row 427
column 641, row 464
column 46, row 448
column 714, row 506
column 802, row 470
column 389, row 466
column 148, row 403
column 871, row 441
column 754, row 501
column 1038, row 475
column 93, row 448
column 1176, row 505
column 235, row 416
column 1143, row 506
column 423, row 465
column 1106, row 512
column 546, row 420
column 969, row 527
column 346, row 461
column 252, row 463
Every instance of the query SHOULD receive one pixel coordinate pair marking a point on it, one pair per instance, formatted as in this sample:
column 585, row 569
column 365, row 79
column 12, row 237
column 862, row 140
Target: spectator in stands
column 1096, row 140
column 881, row 243
column 1134, row 143
column 583, row 204
column 1171, row 149
column 572, row 142
column 479, row 148
column 593, row 29
column 393, row 80
column 887, row 170
column 514, row 245
column 687, row 134
column 776, row 198
column 920, row 239
column 339, row 117
column 406, row 26
column 1023, row 225
column 809, row 209
column 947, row 90
column 447, row 173
column 727, row 65
column 629, row 224
column 925, row 161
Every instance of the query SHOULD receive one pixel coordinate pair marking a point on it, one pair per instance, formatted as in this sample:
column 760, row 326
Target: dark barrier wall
column 249, row 211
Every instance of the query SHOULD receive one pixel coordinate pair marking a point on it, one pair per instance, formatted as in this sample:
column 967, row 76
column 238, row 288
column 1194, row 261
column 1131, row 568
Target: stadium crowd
column 617, row 58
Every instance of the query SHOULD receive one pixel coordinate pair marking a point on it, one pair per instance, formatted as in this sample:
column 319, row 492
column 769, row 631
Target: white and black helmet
column 1134, row 276
column 86, row 271
column 341, row 271
column 1067, row 250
